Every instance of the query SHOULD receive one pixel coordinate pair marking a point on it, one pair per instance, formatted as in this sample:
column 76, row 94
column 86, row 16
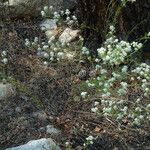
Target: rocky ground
column 40, row 106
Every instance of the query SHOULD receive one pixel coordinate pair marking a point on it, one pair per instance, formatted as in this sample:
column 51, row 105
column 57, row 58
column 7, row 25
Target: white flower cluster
column 115, row 52
column 52, row 51
column 123, row 89
column 83, row 94
column 95, row 108
column 123, row 77
column 115, row 87
column 85, row 51
column 70, row 20
column 55, row 49
column 119, row 110
column 143, row 75
column 89, row 141
column 46, row 11
column 4, row 57
column 28, row 43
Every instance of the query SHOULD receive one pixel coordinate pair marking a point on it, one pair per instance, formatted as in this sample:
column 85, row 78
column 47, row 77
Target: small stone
column 51, row 130
column 82, row 74
column 6, row 90
column 68, row 35
column 18, row 109
column 41, row 115
column 42, row 129
column 48, row 24
column 51, row 117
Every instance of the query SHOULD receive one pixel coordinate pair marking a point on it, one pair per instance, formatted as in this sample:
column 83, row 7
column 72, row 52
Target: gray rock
column 42, row 129
column 48, row 24
column 6, row 90
column 41, row 115
column 82, row 74
column 53, row 131
column 41, row 144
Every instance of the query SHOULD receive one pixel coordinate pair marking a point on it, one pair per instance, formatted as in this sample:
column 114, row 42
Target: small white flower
column 124, row 69
column 103, row 71
column 67, row 12
column 96, row 103
column 97, row 60
column 74, row 17
column 112, row 28
column 46, row 55
column 51, row 58
column 27, row 43
column 97, row 67
column 36, row 39
column 67, row 143
column 4, row 53
column 139, row 78
column 43, row 13
column 147, row 89
column 60, row 55
column 39, row 49
column 85, row 51
column 45, row 47
column 70, row 56
column 90, row 138
column 45, row 63
column 94, row 110
column 136, row 121
column 107, row 110
column 125, row 108
column 45, row 8
column 101, row 51
column 51, row 7
column 120, row 116
column 138, row 100
column 5, row 61
column 138, row 109
column 55, row 13
column 62, row 12
column 107, row 58
column 68, row 18
column 141, row 117
column 148, row 106
column 83, row 94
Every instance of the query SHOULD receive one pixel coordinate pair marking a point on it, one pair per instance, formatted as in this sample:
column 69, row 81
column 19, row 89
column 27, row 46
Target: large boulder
column 41, row 144
column 32, row 8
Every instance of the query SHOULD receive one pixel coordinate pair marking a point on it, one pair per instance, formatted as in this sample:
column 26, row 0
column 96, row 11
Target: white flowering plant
column 62, row 18
column 89, row 141
column 58, row 47
column 117, row 78
column 4, row 63
column 115, row 51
